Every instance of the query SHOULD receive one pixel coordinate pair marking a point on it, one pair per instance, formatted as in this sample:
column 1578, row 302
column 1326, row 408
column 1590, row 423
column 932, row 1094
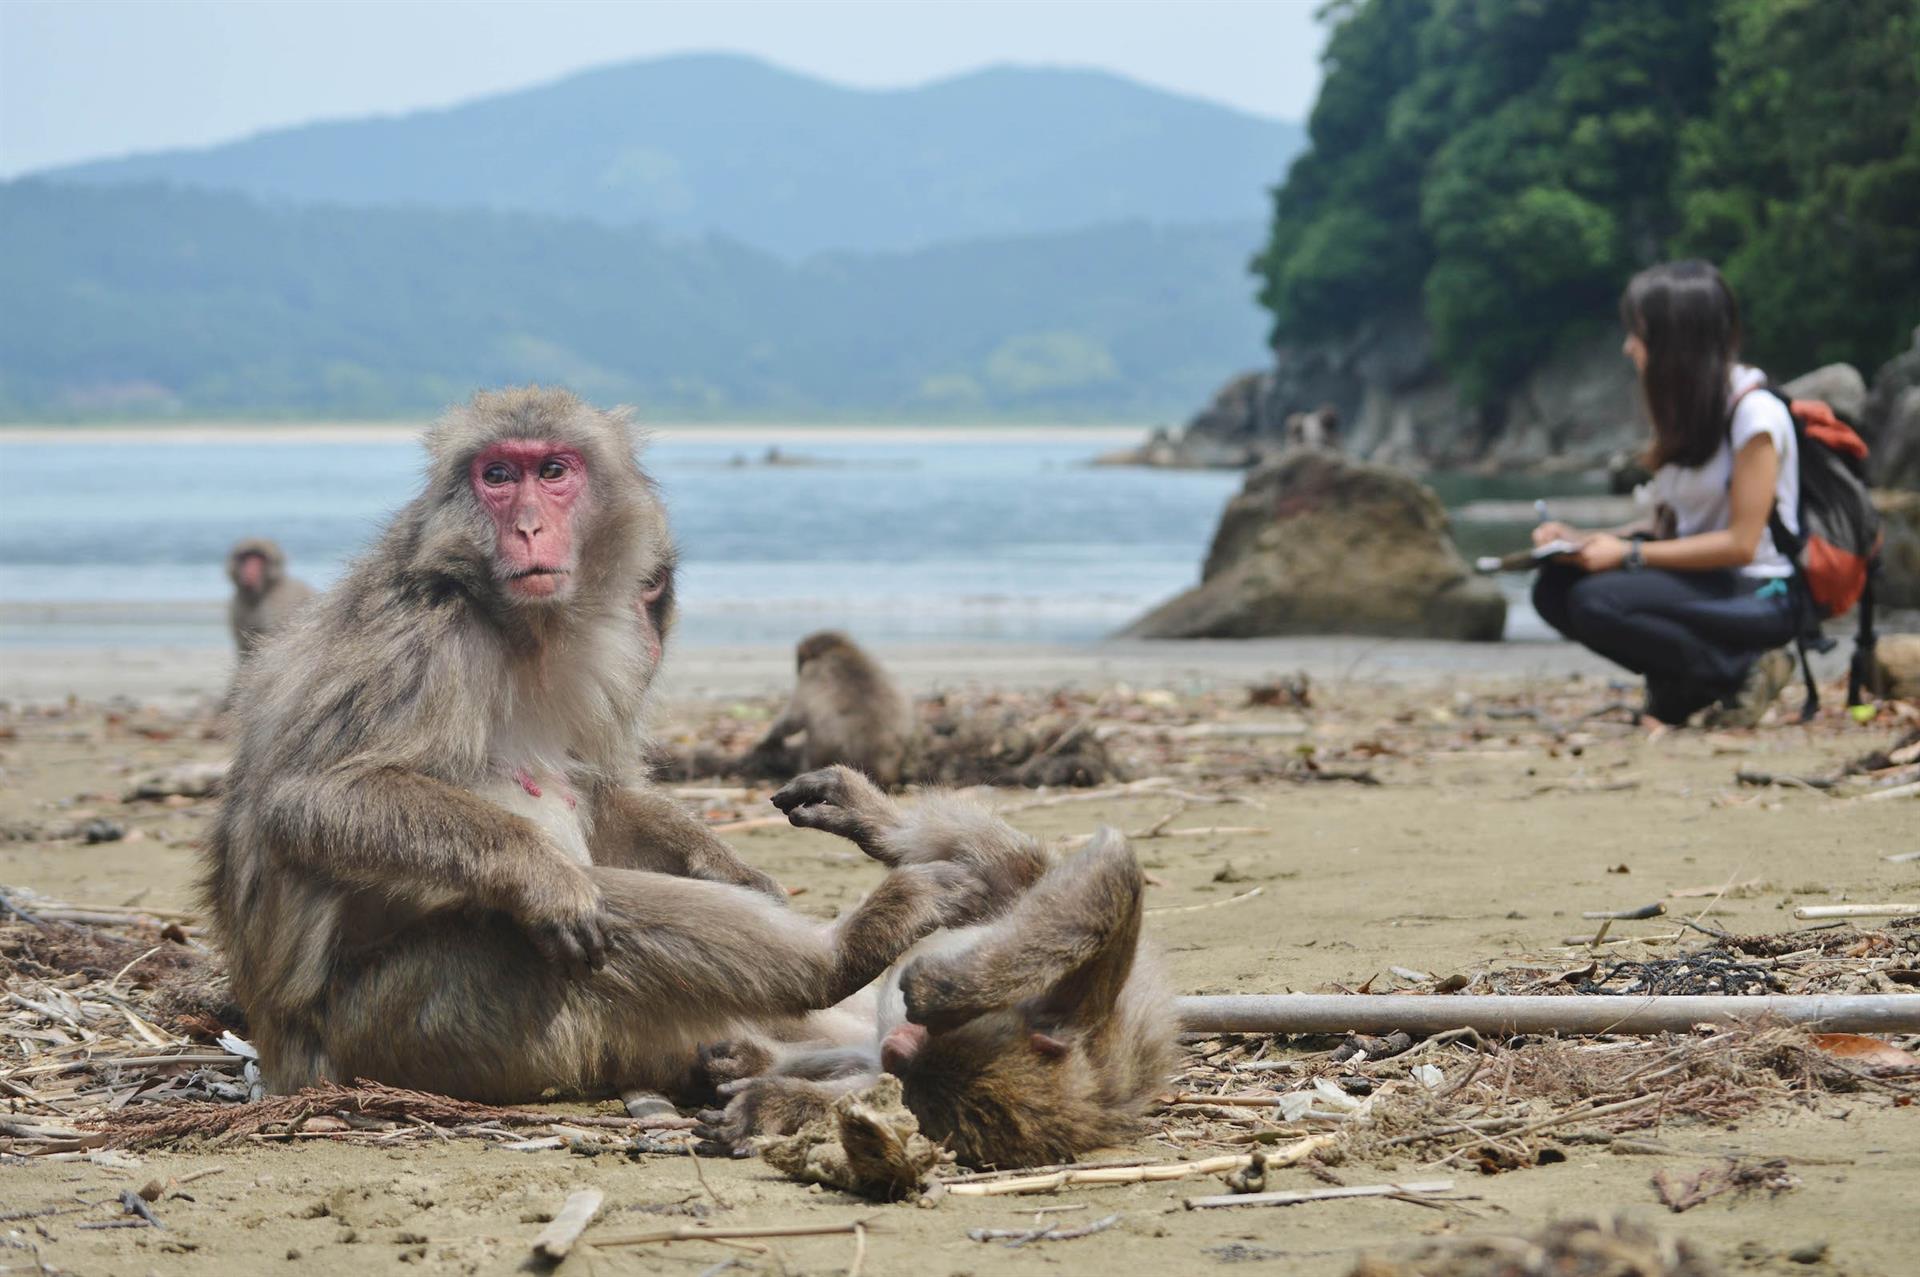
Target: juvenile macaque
column 1027, row 1039
column 1317, row 429
column 265, row 598
column 845, row 709
column 432, row 868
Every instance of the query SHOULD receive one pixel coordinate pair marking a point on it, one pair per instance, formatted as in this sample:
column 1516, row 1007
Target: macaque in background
column 845, row 709
column 265, row 598
column 1317, row 429
column 1033, row 1037
column 433, row 866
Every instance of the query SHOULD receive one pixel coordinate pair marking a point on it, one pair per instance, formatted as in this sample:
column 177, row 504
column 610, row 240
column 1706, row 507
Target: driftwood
column 1518, row 1013
column 1857, row 911
column 1321, row 1195
column 1049, row 1179
column 558, row 1237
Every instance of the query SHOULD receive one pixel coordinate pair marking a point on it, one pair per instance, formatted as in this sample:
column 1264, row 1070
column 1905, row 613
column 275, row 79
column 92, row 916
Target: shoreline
column 178, row 675
column 334, row 432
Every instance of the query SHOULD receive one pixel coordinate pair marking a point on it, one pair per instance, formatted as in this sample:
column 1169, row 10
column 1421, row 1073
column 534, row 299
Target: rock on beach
column 1317, row 543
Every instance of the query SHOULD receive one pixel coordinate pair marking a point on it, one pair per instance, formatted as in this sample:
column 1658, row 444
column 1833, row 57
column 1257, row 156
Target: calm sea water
column 944, row 539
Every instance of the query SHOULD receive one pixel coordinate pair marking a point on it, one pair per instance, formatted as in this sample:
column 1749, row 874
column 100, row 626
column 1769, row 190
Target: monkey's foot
column 839, row 800
column 769, row 1106
column 717, row 1064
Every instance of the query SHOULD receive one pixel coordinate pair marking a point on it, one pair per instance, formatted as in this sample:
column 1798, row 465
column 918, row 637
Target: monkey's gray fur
column 258, row 613
column 398, row 896
column 845, row 709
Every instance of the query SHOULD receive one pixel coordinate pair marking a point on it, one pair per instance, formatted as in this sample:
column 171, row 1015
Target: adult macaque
column 845, row 709
column 430, row 868
column 1025, row 1040
column 265, row 598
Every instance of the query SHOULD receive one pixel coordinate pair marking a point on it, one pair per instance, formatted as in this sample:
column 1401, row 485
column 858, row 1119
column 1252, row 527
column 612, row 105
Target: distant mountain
column 152, row 300
column 728, row 145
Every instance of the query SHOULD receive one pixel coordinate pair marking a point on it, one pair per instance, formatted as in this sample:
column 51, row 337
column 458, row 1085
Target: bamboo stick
column 1506, row 1013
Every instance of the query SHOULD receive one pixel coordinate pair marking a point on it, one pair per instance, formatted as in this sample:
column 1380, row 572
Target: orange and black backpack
column 1836, row 554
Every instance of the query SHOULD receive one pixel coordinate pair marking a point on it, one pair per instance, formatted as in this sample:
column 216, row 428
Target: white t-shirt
column 1698, row 494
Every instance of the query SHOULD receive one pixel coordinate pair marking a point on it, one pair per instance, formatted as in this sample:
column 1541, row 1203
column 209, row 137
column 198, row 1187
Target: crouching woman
column 1698, row 599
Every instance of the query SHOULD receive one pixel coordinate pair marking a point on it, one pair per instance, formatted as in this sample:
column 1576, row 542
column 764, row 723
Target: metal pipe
column 1501, row 1013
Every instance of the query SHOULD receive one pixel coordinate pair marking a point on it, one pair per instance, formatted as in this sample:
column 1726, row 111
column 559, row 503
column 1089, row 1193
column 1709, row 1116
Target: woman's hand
column 1601, row 552
column 1554, row 531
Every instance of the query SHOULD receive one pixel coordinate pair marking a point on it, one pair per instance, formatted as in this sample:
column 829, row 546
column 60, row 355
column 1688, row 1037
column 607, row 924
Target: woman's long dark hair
column 1685, row 315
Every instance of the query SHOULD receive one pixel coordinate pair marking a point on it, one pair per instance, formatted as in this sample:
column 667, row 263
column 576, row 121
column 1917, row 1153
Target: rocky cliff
column 1577, row 411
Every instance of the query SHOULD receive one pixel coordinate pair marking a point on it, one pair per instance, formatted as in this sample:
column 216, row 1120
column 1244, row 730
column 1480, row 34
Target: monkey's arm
column 646, row 829
column 422, row 842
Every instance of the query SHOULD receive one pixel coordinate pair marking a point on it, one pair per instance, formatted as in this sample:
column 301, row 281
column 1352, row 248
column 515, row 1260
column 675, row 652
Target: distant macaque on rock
column 1317, row 429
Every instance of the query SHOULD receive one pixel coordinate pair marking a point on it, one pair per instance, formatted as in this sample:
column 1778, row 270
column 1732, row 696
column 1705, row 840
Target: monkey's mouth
column 537, row 582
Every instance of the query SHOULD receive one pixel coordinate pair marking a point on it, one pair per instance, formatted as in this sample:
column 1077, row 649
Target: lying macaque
column 1029, row 1038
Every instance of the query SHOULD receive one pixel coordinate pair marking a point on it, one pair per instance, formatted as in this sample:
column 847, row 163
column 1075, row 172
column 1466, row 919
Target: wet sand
column 1480, row 847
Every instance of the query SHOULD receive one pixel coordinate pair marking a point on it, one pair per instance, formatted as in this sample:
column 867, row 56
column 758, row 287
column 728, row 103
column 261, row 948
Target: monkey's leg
column 942, row 827
column 839, row 800
column 1073, row 937
column 646, row 829
column 466, row 1006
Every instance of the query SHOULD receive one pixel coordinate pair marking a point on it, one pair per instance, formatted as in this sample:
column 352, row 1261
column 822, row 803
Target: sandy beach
column 1500, row 814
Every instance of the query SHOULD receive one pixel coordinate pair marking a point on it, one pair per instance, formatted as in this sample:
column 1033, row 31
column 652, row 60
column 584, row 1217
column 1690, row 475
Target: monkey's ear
column 1046, row 1044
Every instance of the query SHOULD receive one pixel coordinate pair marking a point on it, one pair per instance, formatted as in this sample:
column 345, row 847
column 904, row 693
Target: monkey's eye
column 495, row 475
column 552, row 468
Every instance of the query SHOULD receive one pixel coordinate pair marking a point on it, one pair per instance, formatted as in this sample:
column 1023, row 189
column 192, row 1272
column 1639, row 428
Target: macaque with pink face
column 265, row 598
column 438, row 865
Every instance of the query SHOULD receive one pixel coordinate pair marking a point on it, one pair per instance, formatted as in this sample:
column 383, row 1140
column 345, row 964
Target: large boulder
column 1897, row 450
column 1839, row 386
column 1317, row 543
column 1899, row 583
column 1891, row 419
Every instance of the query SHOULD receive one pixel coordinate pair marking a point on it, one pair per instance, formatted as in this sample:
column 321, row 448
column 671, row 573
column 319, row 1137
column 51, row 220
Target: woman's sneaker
column 1757, row 692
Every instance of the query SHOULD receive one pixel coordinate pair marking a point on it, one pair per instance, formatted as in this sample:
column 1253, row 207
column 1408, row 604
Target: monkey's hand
column 563, row 916
column 839, row 800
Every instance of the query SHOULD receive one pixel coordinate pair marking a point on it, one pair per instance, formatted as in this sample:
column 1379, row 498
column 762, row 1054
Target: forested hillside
column 147, row 300
column 1502, row 166
column 725, row 144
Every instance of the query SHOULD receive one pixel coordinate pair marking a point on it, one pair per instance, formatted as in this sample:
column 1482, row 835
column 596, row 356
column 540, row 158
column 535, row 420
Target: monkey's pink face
column 251, row 572
column 533, row 490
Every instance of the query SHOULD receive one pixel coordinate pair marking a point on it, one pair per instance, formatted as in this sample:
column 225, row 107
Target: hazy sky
column 81, row 79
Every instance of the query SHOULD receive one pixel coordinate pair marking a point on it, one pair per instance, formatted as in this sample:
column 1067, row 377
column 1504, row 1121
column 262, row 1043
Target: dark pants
column 1693, row 634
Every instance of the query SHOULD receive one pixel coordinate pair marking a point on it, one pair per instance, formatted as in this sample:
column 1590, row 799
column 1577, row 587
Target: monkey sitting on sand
column 1026, row 1039
column 265, row 598
column 434, row 866
column 845, row 709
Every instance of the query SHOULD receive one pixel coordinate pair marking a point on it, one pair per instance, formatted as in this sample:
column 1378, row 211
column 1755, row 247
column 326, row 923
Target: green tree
column 1803, row 182
column 1505, row 165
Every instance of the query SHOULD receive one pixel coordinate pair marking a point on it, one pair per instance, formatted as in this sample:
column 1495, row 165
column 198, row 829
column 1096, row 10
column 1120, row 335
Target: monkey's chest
column 550, row 803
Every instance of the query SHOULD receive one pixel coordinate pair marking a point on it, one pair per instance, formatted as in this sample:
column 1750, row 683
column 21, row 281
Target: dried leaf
column 1866, row 1050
